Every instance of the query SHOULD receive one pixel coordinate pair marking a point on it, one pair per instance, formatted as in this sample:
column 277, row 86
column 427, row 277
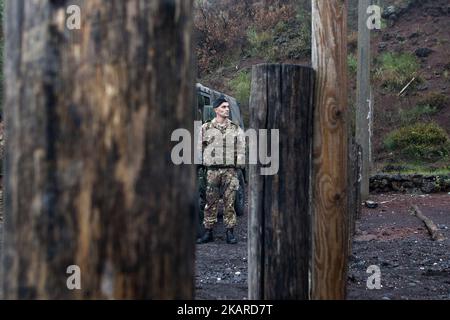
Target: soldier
column 223, row 149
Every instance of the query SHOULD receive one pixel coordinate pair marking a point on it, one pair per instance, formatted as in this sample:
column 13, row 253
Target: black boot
column 231, row 239
column 207, row 237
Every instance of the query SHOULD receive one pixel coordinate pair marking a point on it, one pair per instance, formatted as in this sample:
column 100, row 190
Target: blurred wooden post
column 89, row 179
column 354, row 187
column 358, row 182
column 279, row 205
column 363, row 99
column 330, row 151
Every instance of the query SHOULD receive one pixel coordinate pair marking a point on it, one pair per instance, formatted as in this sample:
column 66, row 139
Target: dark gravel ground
column 412, row 265
column 221, row 270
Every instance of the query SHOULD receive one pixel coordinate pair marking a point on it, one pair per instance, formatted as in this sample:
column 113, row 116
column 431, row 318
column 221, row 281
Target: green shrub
column 417, row 113
column 261, row 43
column 241, row 86
column 396, row 70
column 428, row 106
column 281, row 27
column 287, row 39
column 424, row 141
column 416, row 168
column 303, row 40
column 352, row 63
column 434, row 100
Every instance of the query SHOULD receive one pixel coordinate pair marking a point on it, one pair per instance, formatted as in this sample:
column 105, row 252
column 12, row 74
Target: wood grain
column 279, row 234
column 330, row 234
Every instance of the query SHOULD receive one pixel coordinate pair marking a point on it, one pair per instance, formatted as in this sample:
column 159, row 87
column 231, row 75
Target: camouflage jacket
column 223, row 145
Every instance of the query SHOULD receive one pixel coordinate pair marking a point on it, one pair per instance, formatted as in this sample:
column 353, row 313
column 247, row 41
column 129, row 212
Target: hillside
column 413, row 43
column 420, row 34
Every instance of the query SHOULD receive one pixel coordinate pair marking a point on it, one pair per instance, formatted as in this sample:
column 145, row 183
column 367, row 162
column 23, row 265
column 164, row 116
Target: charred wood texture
column 279, row 205
column 89, row 180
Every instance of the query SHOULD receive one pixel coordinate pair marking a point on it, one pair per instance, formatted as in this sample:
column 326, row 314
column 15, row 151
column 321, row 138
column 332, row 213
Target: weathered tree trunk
column 279, row 212
column 330, row 223
column 89, row 179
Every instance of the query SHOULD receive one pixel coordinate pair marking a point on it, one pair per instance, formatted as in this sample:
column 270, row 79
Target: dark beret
column 219, row 101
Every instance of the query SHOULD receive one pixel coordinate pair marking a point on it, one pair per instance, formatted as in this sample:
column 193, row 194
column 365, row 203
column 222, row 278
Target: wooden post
column 330, row 234
column 354, row 187
column 89, row 178
column 279, row 205
column 359, row 175
column 363, row 99
column 351, row 208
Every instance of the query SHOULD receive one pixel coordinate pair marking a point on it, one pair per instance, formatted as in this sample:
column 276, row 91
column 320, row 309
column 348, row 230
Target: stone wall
column 381, row 183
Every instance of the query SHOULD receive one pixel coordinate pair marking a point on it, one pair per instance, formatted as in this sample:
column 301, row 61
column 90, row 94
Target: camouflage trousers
column 218, row 181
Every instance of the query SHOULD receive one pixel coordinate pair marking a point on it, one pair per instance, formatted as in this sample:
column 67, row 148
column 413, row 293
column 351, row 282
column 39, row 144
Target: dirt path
column 412, row 266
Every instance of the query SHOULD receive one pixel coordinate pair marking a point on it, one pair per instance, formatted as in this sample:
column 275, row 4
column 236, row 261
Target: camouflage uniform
column 222, row 164
column 226, row 180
